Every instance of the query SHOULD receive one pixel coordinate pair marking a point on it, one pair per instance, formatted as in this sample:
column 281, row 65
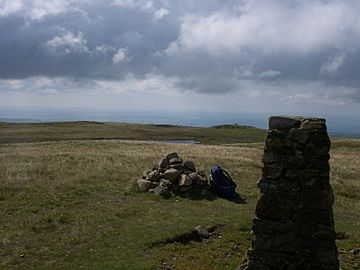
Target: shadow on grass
column 192, row 195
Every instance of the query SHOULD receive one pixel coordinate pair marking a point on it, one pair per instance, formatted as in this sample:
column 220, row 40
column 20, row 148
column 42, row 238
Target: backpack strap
column 228, row 175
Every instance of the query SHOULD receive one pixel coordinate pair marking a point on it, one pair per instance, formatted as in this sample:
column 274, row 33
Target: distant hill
column 91, row 130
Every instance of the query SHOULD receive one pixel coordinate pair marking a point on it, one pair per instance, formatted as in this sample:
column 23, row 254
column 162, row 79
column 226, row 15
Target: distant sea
column 338, row 126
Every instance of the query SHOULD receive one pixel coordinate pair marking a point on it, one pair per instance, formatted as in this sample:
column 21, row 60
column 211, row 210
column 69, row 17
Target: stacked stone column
column 294, row 225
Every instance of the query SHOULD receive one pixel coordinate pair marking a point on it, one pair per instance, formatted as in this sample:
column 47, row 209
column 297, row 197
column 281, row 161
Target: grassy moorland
column 72, row 205
column 85, row 130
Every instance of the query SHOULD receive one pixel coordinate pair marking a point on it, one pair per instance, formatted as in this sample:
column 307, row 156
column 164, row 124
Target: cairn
column 294, row 225
column 173, row 175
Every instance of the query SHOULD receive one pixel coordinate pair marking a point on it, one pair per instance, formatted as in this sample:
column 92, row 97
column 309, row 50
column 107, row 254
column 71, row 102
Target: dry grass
column 70, row 205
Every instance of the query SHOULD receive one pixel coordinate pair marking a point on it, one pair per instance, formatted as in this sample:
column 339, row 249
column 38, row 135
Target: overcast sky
column 273, row 56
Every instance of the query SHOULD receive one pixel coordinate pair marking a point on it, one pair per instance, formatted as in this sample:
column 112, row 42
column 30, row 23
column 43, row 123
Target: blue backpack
column 221, row 183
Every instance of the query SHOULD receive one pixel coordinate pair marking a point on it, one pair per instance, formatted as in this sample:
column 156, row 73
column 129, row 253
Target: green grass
column 36, row 132
column 72, row 205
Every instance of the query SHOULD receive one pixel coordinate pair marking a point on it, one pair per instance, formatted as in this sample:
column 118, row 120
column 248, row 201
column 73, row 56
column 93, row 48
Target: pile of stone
column 173, row 175
column 294, row 227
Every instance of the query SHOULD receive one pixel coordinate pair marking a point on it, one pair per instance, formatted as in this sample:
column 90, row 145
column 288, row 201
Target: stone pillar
column 294, row 225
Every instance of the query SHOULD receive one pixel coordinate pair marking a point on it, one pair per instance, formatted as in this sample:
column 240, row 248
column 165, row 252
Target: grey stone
column 185, row 180
column 154, row 176
column 172, row 155
column 144, row 185
column 190, row 165
column 146, row 173
column 313, row 124
column 162, row 191
column 163, row 163
column 175, row 161
column 165, row 182
column 172, row 175
column 285, row 122
column 178, row 166
column 198, row 179
column 202, row 231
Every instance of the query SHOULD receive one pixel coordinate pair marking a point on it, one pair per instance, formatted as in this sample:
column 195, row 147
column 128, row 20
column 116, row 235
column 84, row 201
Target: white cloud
column 160, row 13
column 274, row 27
column 40, row 9
column 68, row 43
column 144, row 5
column 141, row 4
column 8, row 7
column 119, row 56
column 104, row 48
column 333, row 65
column 269, row 74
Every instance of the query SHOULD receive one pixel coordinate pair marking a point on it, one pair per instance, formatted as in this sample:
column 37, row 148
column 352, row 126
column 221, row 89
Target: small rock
column 201, row 180
column 202, row 231
column 184, row 189
column 162, row 191
column 154, row 176
column 202, row 173
column 171, row 174
column 144, row 185
column 187, row 172
column 146, row 173
column 175, row 161
column 172, row 155
column 164, row 163
column 190, row 165
column 185, row 180
column 194, row 176
column 165, row 182
column 178, row 166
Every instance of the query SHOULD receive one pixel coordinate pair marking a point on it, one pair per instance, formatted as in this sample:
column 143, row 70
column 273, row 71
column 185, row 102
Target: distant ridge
column 233, row 126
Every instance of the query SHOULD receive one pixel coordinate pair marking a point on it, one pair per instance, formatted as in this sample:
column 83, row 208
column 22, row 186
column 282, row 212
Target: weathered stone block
column 284, row 122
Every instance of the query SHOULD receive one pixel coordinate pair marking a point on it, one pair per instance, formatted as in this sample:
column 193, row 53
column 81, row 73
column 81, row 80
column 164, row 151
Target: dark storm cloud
column 205, row 46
